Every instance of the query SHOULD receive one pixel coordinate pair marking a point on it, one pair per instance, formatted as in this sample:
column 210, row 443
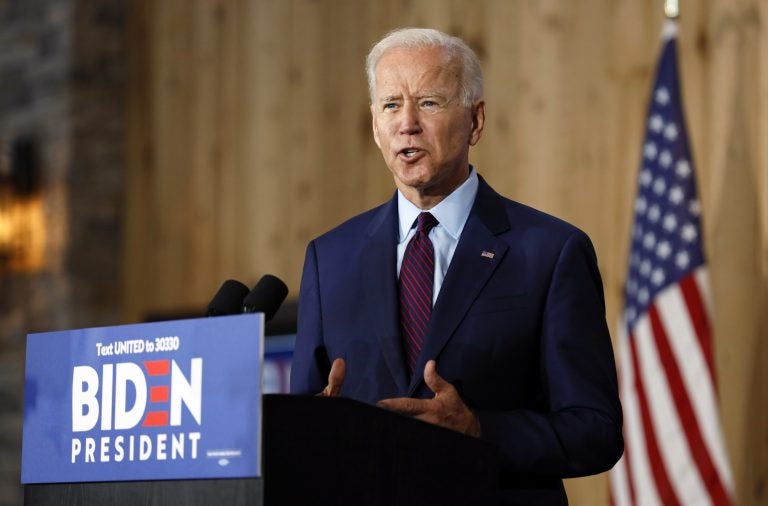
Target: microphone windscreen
column 266, row 296
column 228, row 300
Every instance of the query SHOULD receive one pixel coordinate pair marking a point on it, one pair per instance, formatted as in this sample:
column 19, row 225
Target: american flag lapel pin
column 487, row 254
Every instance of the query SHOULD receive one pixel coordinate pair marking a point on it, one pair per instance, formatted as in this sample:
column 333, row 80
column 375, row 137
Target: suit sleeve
column 310, row 366
column 580, row 432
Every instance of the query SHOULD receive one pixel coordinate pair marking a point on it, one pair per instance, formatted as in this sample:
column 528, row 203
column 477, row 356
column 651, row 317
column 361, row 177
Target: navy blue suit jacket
column 518, row 328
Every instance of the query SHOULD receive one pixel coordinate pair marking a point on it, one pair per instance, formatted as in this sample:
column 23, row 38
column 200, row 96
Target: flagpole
column 672, row 9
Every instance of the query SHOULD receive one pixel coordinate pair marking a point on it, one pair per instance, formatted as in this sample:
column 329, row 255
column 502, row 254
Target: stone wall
column 62, row 85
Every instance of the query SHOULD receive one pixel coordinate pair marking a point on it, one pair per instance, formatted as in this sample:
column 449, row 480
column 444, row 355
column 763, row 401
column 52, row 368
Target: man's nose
column 409, row 120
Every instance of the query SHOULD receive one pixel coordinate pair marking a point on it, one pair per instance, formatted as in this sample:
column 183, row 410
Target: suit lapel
column 477, row 255
column 379, row 275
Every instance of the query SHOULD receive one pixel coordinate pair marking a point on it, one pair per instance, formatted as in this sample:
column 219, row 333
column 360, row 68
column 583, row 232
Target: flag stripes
column 635, row 467
column 695, row 307
column 663, row 425
column 672, row 433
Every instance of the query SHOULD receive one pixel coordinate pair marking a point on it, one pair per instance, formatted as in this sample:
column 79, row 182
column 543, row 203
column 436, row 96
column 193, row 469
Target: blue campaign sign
column 153, row 401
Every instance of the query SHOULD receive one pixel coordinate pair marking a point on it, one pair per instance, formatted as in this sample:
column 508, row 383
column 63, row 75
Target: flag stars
column 650, row 150
column 682, row 259
column 669, row 223
column 665, row 159
column 640, row 205
column 656, row 123
column 645, row 268
column 645, row 177
column 654, row 213
column 676, row 195
column 694, row 208
column 659, row 186
column 649, row 241
column 689, row 232
column 643, row 295
column 663, row 250
column 658, row 277
column 683, row 169
column 671, row 132
column 662, row 96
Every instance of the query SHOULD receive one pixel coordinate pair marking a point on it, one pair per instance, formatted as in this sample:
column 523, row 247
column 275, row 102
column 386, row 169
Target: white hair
column 471, row 84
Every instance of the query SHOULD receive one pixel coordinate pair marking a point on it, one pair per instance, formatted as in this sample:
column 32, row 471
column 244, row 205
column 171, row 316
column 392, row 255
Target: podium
column 322, row 451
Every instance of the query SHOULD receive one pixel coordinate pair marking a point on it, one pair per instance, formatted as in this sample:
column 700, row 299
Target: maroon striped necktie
column 417, row 275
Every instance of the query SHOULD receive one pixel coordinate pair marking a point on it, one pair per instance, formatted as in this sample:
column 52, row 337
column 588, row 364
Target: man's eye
column 389, row 106
column 429, row 103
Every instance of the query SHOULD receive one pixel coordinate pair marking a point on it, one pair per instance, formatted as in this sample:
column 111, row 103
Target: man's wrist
column 474, row 428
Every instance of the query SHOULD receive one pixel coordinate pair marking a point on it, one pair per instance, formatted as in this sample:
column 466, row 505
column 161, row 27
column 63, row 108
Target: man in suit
column 506, row 339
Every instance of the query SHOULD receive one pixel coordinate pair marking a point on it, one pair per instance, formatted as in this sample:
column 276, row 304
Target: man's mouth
column 410, row 153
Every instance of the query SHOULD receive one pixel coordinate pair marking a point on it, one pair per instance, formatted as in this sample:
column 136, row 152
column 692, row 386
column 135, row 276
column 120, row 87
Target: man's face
column 420, row 125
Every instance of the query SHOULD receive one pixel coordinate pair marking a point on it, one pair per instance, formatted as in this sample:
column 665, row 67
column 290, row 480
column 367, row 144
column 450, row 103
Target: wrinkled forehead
column 416, row 70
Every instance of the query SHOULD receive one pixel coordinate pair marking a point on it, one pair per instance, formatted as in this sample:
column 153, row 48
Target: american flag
column 674, row 451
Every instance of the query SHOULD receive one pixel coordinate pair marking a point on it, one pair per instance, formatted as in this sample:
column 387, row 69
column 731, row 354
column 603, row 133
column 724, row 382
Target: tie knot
column 425, row 222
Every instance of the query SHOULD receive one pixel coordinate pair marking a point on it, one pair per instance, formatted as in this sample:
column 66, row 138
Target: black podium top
column 323, row 451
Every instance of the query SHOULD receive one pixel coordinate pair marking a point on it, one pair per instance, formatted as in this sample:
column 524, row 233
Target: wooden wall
column 249, row 134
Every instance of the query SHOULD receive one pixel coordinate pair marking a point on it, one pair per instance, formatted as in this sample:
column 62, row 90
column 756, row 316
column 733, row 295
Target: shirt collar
column 451, row 213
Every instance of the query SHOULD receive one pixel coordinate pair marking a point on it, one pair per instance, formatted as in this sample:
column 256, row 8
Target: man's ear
column 375, row 127
column 478, row 122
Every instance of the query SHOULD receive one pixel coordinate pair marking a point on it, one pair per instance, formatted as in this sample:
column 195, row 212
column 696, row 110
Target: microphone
column 228, row 300
column 265, row 297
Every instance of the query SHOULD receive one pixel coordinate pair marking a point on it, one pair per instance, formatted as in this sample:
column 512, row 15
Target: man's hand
column 335, row 379
column 445, row 409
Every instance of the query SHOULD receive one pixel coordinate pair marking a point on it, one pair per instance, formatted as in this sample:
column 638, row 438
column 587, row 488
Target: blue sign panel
column 153, row 401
